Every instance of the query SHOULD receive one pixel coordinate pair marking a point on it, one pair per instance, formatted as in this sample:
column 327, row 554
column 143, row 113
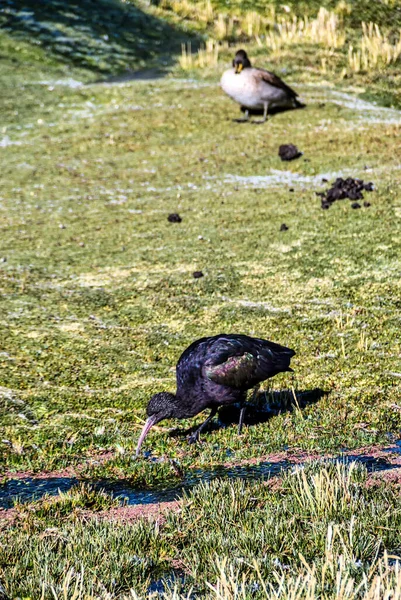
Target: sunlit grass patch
column 377, row 50
column 326, row 30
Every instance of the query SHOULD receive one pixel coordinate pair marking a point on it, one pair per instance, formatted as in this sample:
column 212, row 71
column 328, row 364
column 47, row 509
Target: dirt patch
column 72, row 471
column 120, row 514
column 290, row 456
column 129, row 514
column 7, row 517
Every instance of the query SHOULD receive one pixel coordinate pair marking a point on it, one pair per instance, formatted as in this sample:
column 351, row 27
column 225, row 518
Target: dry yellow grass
column 208, row 56
column 325, row 30
column 271, row 31
column 376, row 50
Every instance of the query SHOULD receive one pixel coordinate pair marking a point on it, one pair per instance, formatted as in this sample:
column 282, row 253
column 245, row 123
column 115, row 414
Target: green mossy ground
column 98, row 298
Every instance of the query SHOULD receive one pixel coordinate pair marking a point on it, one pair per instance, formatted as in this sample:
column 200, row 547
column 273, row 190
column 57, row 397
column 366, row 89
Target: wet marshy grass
column 323, row 523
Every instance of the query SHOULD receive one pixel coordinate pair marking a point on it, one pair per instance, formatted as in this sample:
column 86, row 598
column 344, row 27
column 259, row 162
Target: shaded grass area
column 106, row 36
column 323, row 515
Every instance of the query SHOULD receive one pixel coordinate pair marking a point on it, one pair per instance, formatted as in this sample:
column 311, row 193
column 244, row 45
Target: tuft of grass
column 326, row 30
column 206, row 56
column 80, row 497
column 376, row 51
column 330, row 492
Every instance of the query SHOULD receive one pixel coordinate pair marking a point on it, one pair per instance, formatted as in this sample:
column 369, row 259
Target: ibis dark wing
column 236, row 372
column 241, row 362
column 273, row 79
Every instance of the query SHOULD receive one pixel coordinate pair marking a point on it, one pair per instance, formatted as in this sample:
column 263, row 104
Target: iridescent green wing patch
column 237, row 371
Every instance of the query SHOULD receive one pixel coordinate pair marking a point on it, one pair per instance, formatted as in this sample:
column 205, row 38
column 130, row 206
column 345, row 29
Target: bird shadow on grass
column 260, row 409
column 108, row 37
column 274, row 110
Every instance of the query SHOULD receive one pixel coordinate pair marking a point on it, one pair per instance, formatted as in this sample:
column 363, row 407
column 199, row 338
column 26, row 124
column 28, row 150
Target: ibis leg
column 241, row 418
column 194, row 437
column 244, row 407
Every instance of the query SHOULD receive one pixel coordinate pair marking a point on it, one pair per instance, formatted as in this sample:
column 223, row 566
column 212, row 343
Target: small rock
column 61, row 226
column 174, row 218
column 3, row 259
column 284, row 227
column 197, row 274
column 288, row 152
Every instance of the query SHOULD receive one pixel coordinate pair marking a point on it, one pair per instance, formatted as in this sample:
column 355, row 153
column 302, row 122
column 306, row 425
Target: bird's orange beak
column 238, row 68
column 149, row 423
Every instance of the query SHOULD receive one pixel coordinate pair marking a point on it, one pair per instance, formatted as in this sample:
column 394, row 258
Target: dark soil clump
column 345, row 188
column 174, row 218
column 284, row 227
column 197, row 274
column 288, row 152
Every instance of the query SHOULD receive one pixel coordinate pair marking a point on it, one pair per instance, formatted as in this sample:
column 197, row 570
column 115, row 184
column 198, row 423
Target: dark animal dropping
column 197, row 274
column 345, row 188
column 288, row 152
column 174, row 218
column 216, row 371
column 284, row 227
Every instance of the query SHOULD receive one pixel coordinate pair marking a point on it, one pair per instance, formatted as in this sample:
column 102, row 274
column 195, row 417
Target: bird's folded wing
column 237, row 371
column 274, row 80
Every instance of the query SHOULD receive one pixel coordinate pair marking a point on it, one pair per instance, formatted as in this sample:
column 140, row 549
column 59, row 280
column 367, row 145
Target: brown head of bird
column 241, row 61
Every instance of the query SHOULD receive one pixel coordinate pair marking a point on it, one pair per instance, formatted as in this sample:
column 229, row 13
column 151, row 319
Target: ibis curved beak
column 149, row 423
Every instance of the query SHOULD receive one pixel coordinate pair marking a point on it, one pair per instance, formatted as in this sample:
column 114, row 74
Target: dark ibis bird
column 213, row 372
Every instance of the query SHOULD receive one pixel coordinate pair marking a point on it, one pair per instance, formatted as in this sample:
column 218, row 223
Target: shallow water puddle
column 32, row 488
